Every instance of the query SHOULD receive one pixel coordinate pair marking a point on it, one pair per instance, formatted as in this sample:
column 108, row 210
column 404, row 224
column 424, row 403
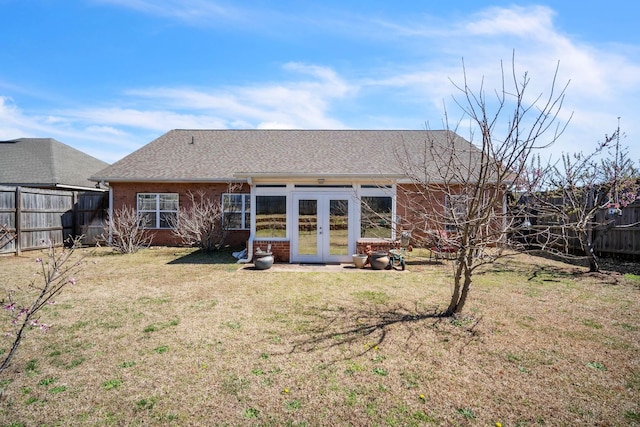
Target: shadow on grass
column 340, row 326
column 221, row 257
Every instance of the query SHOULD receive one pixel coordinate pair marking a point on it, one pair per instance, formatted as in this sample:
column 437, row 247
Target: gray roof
column 46, row 163
column 219, row 155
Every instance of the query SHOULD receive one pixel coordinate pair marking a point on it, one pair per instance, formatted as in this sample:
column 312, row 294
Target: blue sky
column 108, row 76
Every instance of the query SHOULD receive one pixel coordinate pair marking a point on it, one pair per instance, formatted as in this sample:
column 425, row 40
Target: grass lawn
column 173, row 337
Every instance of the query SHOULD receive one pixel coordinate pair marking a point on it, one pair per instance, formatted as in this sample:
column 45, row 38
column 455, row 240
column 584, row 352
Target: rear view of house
column 313, row 195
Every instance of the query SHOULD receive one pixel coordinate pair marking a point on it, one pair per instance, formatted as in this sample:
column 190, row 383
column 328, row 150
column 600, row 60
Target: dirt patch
column 619, row 266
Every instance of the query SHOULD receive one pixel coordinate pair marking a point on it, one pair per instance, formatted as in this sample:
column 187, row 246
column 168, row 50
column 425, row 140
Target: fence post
column 18, row 220
column 75, row 216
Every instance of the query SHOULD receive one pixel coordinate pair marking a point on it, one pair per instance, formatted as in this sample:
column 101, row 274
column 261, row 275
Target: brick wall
column 375, row 244
column 124, row 194
column 279, row 248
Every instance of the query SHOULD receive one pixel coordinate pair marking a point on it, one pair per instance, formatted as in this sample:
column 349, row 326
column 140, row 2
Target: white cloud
column 523, row 22
column 196, row 12
column 104, row 130
column 298, row 103
column 605, row 82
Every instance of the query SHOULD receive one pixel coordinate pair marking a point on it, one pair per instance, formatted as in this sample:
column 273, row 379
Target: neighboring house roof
column 222, row 155
column 46, row 163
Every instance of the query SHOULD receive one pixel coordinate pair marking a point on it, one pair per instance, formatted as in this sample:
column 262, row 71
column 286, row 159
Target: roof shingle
column 45, row 162
column 219, row 155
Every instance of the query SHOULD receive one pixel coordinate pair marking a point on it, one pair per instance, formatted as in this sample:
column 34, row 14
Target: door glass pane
column 307, row 227
column 338, row 227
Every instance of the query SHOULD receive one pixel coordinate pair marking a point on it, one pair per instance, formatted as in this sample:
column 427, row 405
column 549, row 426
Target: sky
column 109, row 76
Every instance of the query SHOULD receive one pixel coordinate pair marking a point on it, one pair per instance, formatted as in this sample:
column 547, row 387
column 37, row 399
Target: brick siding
column 280, row 249
column 124, row 194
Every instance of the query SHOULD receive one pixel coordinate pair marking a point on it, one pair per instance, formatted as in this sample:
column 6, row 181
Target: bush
column 125, row 233
column 200, row 224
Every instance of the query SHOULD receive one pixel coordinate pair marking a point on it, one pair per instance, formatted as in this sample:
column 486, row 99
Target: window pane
column 339, row 227
column 168, row 202
column 456, row 211
column 232, row 202
column 167, row 219
column 375, row 217
column 271, row 216
column 235, row 208
column 233, row 220
column 147, row 202
column 147, row 220
column 307, row 227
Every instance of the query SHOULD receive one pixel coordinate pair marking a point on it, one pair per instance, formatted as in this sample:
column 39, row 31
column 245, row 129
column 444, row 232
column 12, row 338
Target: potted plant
column 263, row 260
column 360, row 260
column 379, row 260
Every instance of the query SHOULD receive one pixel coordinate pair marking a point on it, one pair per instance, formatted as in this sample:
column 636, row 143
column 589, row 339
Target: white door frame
column 323, row 232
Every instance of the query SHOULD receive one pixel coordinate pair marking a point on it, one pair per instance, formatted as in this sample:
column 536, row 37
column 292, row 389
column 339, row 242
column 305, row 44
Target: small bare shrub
column 125, row 233
column 200, row 224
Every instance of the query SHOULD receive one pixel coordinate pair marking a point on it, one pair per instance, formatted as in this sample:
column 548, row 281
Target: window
column 376, row 216
column 271, row 216
column 157, row 210
column 456, row 205
column 236, row 211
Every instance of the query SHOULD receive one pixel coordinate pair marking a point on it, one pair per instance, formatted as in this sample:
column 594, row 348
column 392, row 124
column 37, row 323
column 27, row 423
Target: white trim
column 323, row 231
column 157, row 211
column 242, row 212
column 353, row 190
column 111, row 214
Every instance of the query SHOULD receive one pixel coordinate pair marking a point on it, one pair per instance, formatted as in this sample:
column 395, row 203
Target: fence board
column 622, row 234
column 37, row 216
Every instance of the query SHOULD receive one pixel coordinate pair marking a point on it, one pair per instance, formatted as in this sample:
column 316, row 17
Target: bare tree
column 23, row 305
column 459, row 194
column 126, row 232
column 568, row 195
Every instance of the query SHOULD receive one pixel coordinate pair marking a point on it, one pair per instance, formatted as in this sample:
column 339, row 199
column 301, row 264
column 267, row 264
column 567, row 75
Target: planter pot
column 263, row 260
column 359, row 260
column 379, row 260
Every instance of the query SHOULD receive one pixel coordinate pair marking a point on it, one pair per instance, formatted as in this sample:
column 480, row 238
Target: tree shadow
column 339, row 326
column 206, row 257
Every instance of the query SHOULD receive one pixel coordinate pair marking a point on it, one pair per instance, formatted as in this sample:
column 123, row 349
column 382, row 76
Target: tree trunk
column 594, row 267
column 461, row 286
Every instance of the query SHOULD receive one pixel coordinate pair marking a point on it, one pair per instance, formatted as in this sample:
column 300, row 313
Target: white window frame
column 156, row 211
column 456, row 208
column 245, row 224
column 378, row 191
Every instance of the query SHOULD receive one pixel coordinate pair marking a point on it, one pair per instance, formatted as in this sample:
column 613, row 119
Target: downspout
column 110, row 210
column 251, row 236
column 249, row 251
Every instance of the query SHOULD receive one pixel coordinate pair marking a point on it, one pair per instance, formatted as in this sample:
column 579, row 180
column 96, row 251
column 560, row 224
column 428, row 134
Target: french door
column 323, row 230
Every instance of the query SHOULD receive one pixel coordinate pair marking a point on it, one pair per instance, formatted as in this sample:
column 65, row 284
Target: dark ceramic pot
column 379, row 260
column 263, row 260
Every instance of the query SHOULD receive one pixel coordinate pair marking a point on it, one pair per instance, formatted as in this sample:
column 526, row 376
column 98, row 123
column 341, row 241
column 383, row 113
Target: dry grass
column 169, row 336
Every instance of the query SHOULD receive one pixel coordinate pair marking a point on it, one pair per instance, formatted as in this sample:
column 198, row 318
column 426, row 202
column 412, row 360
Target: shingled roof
column 46, row 163
column 223, row 155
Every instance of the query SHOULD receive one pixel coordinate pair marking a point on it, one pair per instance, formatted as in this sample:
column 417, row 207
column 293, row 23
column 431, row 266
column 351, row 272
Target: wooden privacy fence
column 612, row 234
column 620, row 235
column 31, row 217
